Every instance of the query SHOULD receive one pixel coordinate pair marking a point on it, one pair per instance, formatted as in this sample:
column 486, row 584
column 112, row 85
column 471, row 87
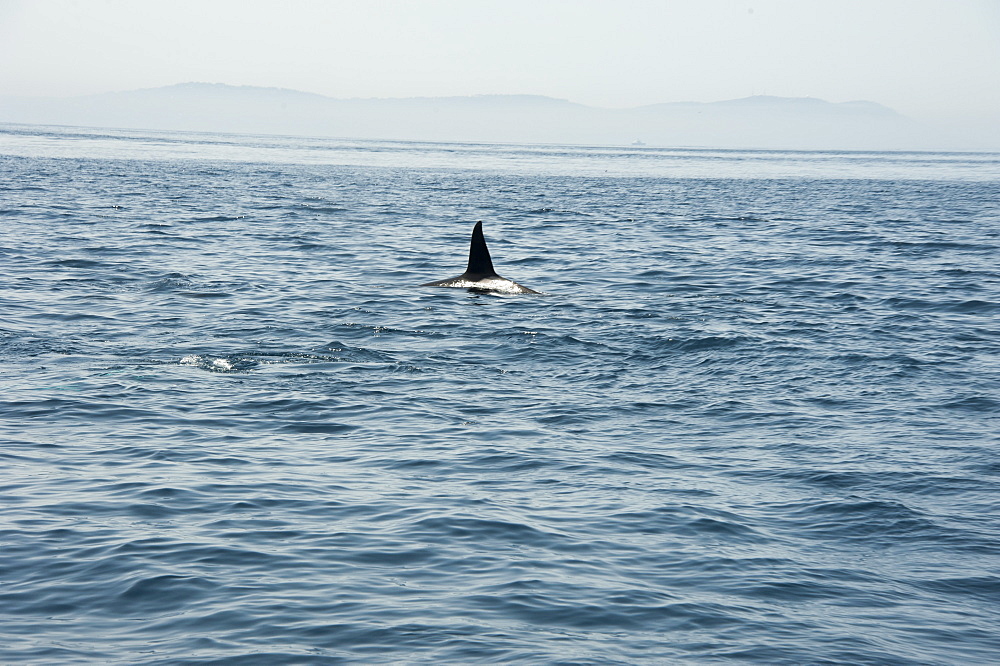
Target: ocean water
column 753, row 418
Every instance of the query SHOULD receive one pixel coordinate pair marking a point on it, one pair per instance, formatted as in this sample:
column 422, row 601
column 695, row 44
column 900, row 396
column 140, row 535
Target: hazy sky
column 925, row 58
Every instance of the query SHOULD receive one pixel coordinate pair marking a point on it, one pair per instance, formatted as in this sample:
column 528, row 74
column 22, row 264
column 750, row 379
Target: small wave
column 986, row 588
column 243, row 362
column 216, row 218
column 698, row 522
column 977, row 404
column 324, row 427
column 483, row 530
column 77, row 263
column 339, row 351
column 655, row 461
column 975, row 307
column 920, row 247
column 162, row 593
column 220, row 364
column 883, row 521
column 310, row 208
column 189, row 287
column 204, row 294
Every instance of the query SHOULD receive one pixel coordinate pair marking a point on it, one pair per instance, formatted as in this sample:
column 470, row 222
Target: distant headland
column 764, row 122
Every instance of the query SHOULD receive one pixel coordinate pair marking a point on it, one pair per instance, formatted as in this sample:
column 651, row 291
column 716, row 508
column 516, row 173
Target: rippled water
column 753, row 418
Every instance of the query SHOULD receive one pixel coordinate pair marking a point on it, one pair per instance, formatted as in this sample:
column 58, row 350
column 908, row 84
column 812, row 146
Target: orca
column 480, row 275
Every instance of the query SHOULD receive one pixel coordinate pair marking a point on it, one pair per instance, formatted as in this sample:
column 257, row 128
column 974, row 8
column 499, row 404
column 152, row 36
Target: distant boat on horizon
column 638, row 142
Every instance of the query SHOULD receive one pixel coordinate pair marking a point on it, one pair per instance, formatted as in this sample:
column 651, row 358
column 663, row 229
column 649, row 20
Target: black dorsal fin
column 480, row 263
column 480, row 275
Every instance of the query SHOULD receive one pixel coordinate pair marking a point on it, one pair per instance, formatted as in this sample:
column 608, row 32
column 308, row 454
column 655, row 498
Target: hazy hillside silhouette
column 752, row 122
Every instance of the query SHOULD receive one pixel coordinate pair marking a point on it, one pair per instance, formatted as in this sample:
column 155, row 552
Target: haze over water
column 752, row 418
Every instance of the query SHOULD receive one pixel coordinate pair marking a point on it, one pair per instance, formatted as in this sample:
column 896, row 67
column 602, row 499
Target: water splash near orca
column 480, row 274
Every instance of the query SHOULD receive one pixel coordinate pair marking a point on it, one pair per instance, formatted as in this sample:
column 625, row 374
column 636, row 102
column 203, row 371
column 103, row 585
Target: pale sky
column 924, row 58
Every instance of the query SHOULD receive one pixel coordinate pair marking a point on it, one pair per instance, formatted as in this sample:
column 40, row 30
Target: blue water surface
column 753, row 418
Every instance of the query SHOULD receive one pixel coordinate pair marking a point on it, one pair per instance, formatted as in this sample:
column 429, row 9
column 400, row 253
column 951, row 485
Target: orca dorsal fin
column 480, row 263
column 480, row 275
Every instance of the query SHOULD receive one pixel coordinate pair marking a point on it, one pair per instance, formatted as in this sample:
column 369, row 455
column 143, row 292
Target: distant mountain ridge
column 750, row 122
column 773, row 102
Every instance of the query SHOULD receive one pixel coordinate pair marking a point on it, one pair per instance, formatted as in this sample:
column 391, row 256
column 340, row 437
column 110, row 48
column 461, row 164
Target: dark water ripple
column 753, row 419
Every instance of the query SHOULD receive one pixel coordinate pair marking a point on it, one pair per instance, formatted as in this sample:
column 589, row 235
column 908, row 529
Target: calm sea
column 754, row 417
